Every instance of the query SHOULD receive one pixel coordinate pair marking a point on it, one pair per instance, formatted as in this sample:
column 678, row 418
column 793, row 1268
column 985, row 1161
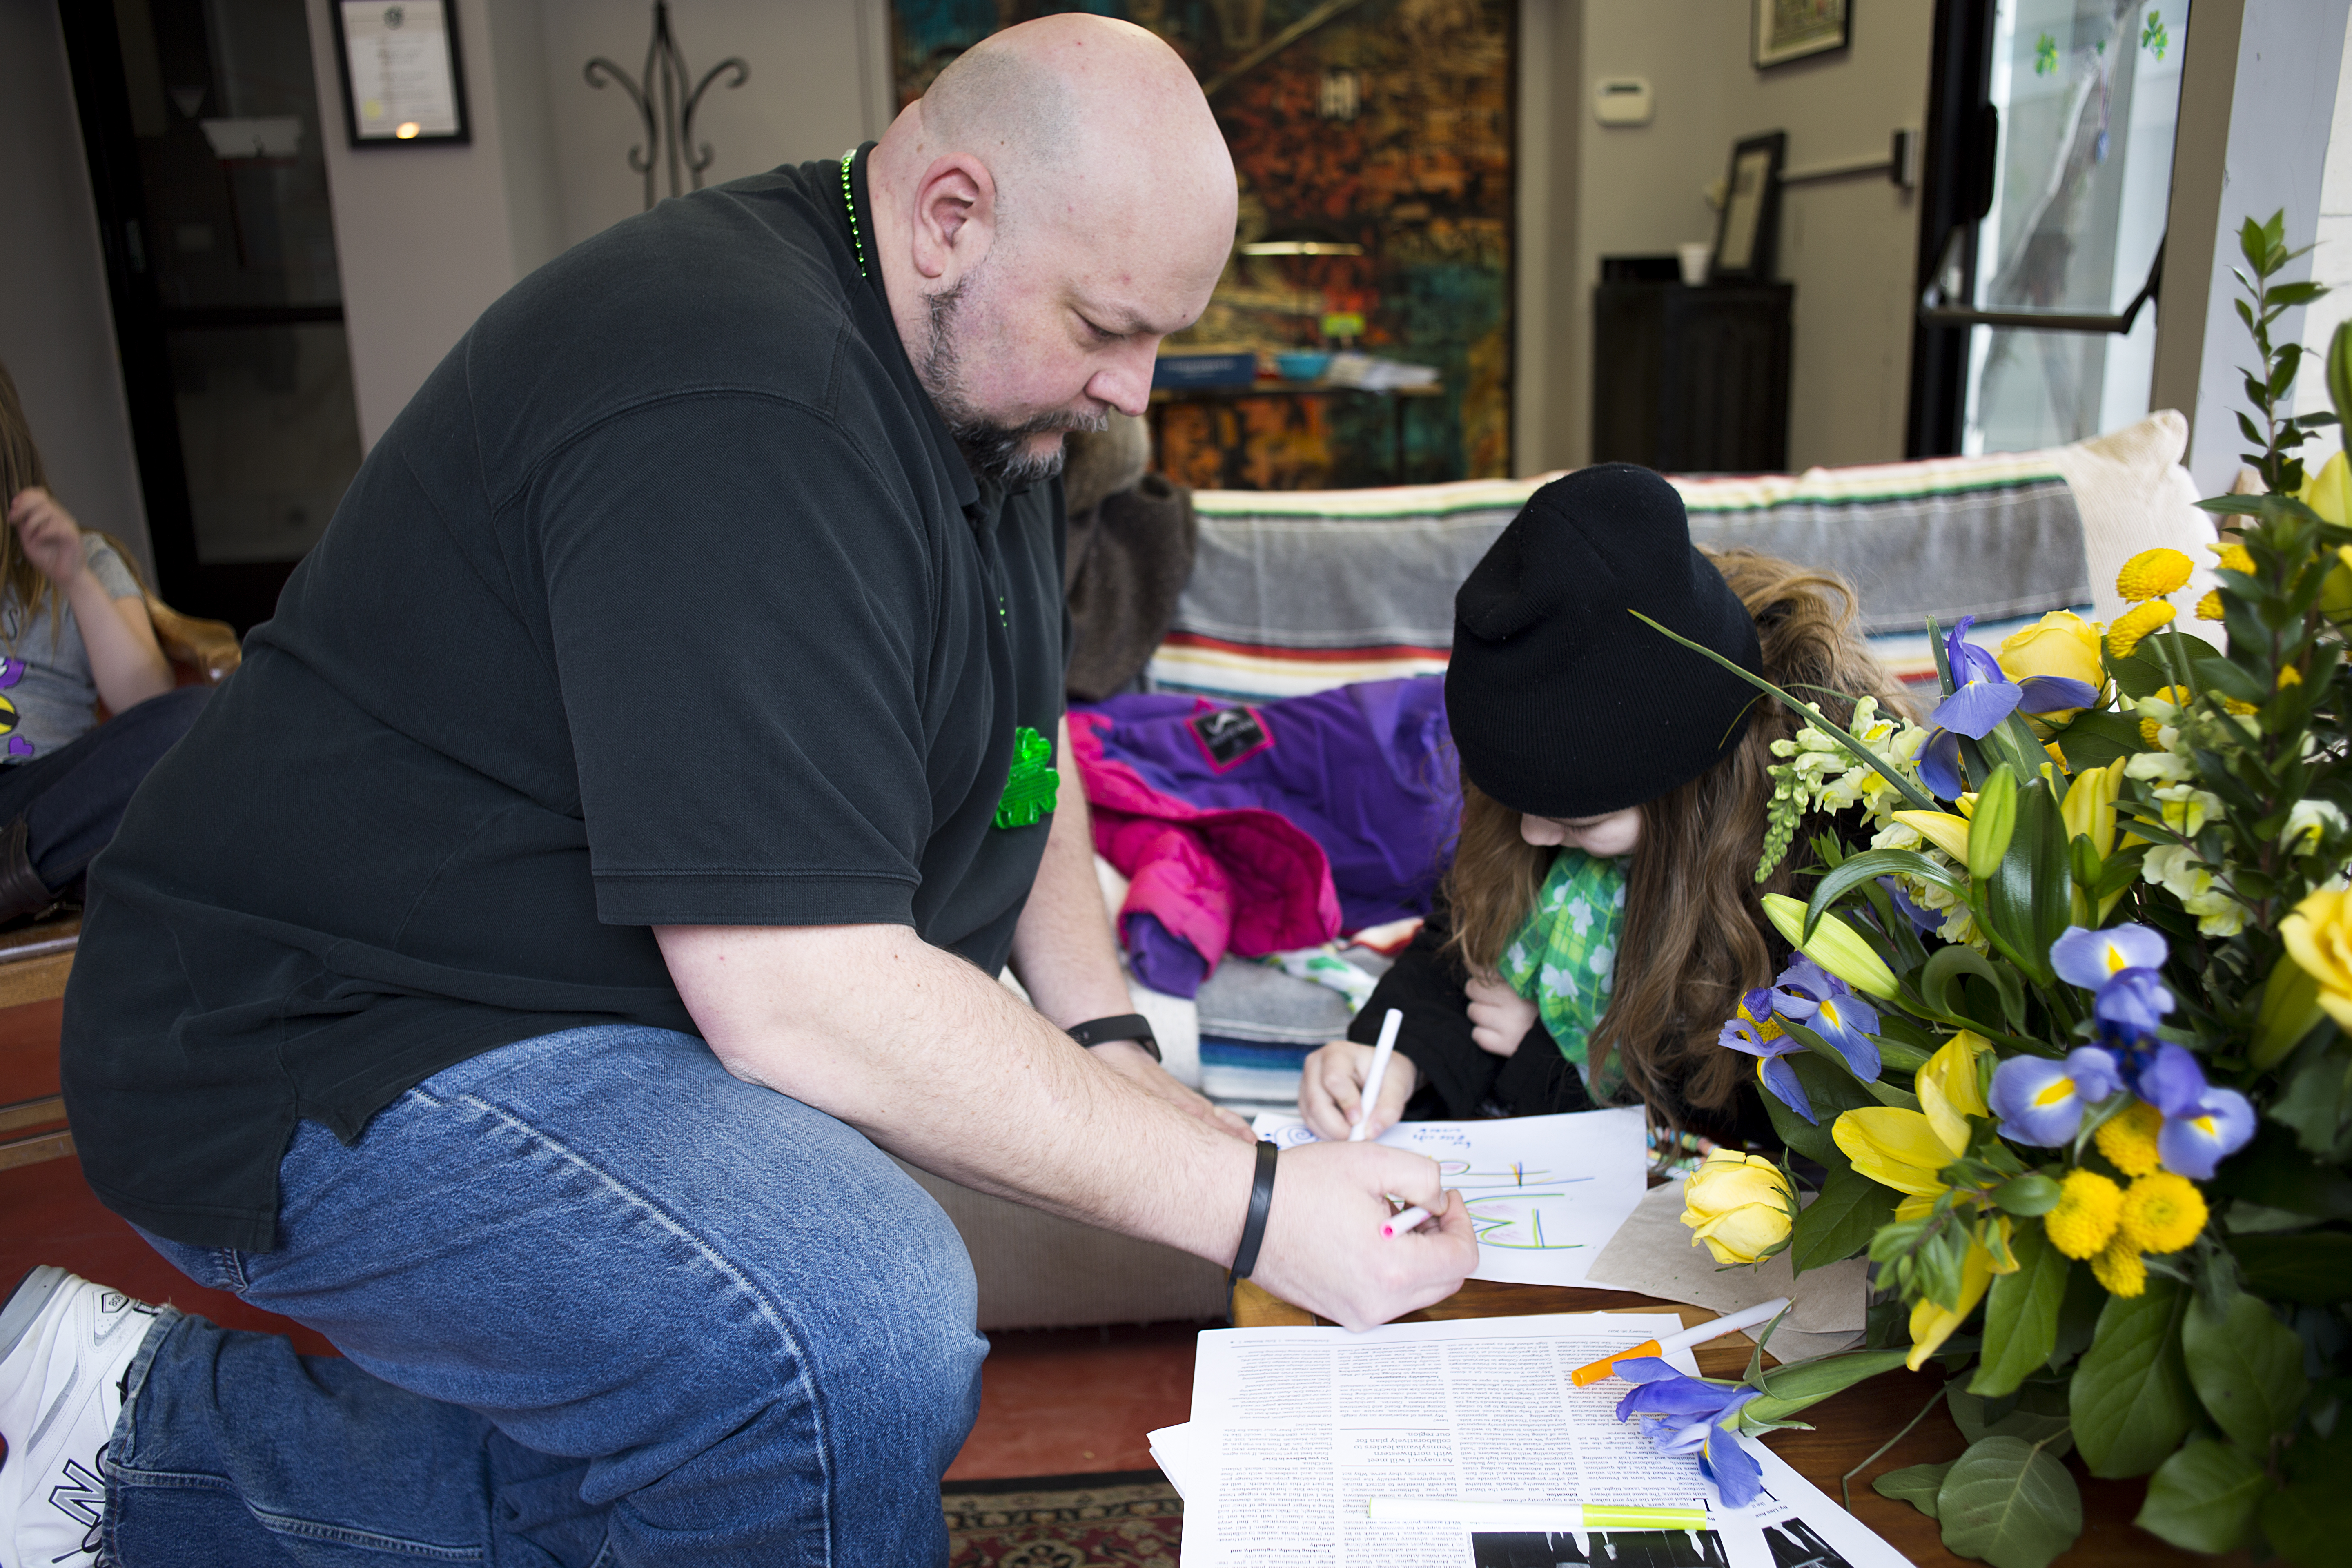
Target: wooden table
column 1849, row 1426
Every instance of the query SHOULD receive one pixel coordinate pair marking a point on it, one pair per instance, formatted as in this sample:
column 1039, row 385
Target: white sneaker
column 66, row 1346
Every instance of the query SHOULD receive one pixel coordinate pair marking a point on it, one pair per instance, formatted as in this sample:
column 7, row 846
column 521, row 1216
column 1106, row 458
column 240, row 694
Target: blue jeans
column 603, row 1304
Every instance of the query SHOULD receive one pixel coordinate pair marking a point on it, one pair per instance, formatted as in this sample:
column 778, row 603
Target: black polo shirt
column 667, row 600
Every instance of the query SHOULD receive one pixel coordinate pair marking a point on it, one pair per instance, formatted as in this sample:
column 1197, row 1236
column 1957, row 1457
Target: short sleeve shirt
column 48, row 698
column 666, row 600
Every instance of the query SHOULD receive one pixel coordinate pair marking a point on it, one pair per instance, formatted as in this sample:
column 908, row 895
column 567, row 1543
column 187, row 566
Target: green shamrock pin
column 1032, row 788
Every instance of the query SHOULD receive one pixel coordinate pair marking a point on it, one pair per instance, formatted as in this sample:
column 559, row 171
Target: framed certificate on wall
column 403, row 85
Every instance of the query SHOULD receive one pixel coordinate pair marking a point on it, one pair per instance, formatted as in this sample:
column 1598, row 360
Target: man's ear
column 955, row 217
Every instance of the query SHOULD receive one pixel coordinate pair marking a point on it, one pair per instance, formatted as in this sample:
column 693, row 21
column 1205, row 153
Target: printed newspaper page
column 1293, row 1430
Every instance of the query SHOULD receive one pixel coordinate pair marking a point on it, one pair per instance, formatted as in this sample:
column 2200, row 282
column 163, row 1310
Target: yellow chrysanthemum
column 2123, row 638
column 2128, row 1139
column 2119, row 1268
column 2085, row 1220
column 2152, row 573
column 2233, row 558
column 2161, row 1213
column 2176, row 695
column 2237, row 706
column 2209, row 608
column 2289, row 676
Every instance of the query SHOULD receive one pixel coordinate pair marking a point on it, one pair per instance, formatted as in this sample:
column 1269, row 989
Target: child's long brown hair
column 20, row 471
column 1694, row 937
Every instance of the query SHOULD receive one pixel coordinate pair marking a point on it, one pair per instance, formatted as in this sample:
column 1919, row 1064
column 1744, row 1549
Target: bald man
column 608, row 852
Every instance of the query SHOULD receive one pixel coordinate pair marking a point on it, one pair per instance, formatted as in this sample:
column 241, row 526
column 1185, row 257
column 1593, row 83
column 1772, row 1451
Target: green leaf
column 2027, row 899
column 1943, row 970
column 1789, row 1389
column 2315, row 1266
column 2203, row 1497
column 2029, row 1196
column 2311, row 1518
column 1875, row 863
column 2021, row 1313
column 2317, row 1103
column 2247, row 1368
column 2009, row 1503
column 2131, row 1398
column 2275, row 1172
column 2035, row 1413
column 1913, row 1484
column 1840, row 1222
column 2078, row 1317
column 2096, row 738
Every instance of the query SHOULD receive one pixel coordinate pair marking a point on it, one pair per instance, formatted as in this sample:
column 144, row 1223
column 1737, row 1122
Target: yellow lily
column 1898, row 1148
column 1949, row 1089
column 1835, row 947
column 2089, row 809
column 1946, row 831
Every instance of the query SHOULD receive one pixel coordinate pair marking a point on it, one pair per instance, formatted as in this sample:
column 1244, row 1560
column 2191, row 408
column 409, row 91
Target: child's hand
column 1499, row 1016
column 1333, row 1086
column 51, row 540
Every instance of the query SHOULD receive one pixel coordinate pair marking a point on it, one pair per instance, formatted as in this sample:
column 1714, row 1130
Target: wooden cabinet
column 1692, row 380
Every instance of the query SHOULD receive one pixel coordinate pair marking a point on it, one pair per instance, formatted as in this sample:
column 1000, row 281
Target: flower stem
column 1846, row 1481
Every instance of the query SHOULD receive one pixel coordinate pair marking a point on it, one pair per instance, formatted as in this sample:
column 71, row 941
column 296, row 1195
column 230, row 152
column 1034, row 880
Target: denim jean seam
column 232, row 1262
column 285, row 1523
column 769, row 1310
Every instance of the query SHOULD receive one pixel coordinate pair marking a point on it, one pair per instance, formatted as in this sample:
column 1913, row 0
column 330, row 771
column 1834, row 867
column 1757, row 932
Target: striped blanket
column 1295, row 592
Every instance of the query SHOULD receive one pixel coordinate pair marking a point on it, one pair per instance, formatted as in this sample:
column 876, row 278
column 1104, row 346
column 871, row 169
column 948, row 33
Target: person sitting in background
column 75, row 632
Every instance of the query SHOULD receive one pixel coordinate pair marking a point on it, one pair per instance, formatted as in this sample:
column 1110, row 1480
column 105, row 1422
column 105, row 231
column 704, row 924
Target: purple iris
column 2203, row 1125
column 1693, row 1417
column 1925, row 921
column 2120, row 964
column 2040, row 1101
column 1812, row 996
column 1755, row 1031
column 1982, row 696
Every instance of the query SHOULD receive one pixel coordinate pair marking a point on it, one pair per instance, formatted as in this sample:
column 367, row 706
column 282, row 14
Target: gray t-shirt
column 47, row 699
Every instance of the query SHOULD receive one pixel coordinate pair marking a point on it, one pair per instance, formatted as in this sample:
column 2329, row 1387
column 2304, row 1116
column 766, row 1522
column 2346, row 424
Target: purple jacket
column 1268, row 826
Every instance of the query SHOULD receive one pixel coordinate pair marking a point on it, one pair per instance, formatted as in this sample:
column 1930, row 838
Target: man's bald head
column 1061, row 194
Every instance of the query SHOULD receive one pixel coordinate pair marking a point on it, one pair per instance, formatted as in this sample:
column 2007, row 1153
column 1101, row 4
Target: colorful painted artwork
column 1386, row 124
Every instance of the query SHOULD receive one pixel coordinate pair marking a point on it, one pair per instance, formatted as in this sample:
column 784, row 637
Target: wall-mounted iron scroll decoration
column 666, row 105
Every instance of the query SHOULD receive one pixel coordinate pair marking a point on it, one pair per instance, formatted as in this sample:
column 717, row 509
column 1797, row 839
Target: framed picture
column 1746, row 234
column 1796, row 29
column 402, row 83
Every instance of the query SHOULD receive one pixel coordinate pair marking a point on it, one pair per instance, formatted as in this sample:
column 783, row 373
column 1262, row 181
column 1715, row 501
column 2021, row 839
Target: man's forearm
column 1063, row 949
column 938, row 1063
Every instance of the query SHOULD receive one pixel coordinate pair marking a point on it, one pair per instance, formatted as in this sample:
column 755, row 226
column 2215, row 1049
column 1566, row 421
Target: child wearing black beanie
column 1601, row 917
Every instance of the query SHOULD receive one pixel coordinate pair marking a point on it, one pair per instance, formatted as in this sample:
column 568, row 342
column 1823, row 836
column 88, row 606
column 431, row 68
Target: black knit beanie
column 1560, row 703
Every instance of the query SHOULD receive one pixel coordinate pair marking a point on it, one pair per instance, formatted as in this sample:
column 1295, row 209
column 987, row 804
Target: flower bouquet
column 2070, row 1040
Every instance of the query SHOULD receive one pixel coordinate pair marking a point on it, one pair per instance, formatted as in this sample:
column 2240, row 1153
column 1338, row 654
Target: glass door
column 204, row 135
column 2045, row 222
column 2088, row 92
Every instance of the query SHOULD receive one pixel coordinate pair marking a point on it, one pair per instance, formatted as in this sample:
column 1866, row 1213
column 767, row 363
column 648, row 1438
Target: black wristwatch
column 1122, row 1027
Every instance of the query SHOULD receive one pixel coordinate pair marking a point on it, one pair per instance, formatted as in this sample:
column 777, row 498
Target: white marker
column 1381, row 1054
column 1714, row 1329
column 1404, row 1220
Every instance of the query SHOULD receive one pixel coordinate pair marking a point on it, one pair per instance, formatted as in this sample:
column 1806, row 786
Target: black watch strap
column 1261, row 1200
column 1121, row 1027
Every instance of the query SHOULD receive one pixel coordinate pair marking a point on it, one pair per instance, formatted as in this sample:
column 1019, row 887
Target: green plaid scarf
column 1564, row 960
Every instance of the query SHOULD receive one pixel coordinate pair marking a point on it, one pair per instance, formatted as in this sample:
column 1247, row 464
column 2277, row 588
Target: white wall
column 2331, row 264
column 819, row 83
column 1848, row 247
column 57, row 327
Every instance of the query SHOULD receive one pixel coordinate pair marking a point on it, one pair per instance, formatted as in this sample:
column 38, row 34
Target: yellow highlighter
column 1509, row 1513
column 1746, row 1318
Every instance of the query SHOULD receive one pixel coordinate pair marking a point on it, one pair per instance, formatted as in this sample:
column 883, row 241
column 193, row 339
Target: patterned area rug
column 1129, row 1519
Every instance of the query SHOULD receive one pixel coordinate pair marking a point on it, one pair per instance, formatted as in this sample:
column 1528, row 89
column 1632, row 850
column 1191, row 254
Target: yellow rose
column 2329, row 491
column 2060, row 642
column 2318, row 936
column 1739, row 1205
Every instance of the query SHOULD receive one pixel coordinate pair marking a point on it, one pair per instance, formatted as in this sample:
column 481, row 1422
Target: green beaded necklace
column 850, row 200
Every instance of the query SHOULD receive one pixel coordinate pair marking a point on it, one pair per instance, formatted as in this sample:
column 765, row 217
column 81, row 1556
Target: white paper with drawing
column 1294, row 1430
column 1546, row 1192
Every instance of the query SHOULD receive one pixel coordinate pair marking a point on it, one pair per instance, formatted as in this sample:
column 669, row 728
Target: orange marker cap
column 1586, row 1375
